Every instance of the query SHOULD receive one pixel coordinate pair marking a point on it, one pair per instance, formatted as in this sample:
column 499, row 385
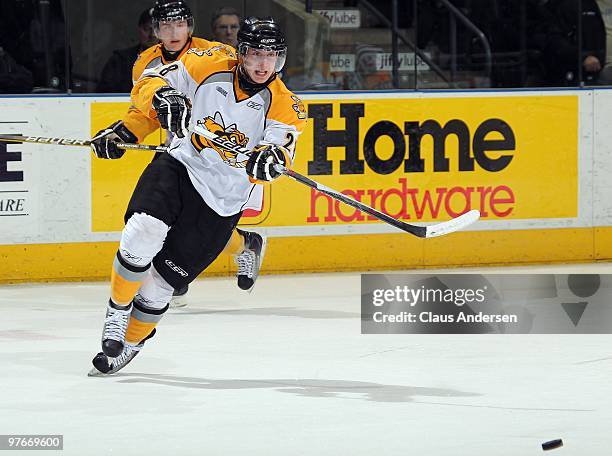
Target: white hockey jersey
column 208, row 77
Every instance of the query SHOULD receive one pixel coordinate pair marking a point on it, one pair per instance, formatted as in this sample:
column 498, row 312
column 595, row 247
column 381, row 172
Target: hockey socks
column 125, row 280
column 143, row 320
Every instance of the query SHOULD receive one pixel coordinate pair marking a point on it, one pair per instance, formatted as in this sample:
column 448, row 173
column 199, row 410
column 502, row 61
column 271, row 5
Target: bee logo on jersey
column 196, row 51
column 230, row 133
column 200, row 52
column 299, row 107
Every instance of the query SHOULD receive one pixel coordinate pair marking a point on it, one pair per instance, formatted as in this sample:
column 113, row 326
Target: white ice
column 286, row 371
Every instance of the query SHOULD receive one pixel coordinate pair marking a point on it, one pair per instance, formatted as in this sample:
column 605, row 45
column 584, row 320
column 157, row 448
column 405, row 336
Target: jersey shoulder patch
column 286, row 107
column 200, row 63
column 215, row 50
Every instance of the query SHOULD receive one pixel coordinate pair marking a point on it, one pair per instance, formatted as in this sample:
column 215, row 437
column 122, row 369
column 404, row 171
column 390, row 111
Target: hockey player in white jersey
column 187, row 202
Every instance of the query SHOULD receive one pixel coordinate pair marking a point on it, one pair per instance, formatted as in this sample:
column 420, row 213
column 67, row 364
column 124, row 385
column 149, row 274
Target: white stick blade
column 453, row 225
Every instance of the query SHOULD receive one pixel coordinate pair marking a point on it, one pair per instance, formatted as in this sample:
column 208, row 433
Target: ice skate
column 103, row 365
column 115, row 325
column 249, row 261
column 178, row 297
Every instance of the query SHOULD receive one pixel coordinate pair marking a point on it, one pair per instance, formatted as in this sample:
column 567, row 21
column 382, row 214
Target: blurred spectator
column 225, row 24
column 563, row 59
column 14, row 78
column 15, row 20
column 33, row 33
column 117, row 73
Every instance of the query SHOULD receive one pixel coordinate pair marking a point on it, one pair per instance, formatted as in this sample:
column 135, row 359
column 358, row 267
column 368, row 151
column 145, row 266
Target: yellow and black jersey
column 208, row 77
column 153, row 57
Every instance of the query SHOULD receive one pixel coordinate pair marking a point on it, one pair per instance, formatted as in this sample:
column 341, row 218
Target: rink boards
column 537, row 164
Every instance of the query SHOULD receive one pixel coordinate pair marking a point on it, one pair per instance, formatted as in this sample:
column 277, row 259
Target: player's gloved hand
column 261, row 163
column 173, row 110
column 104, row 143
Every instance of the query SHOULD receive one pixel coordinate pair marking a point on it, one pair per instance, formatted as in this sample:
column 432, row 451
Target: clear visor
column 168, row 28
column 262, row 57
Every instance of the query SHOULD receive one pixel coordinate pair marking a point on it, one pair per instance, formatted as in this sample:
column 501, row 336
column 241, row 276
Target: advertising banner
column 44, row 189
column 421, row 159
column 535, row 164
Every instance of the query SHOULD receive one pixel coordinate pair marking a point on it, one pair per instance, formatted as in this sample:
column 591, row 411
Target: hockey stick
column 439, row 229
column 430, row 231
column 75, row 142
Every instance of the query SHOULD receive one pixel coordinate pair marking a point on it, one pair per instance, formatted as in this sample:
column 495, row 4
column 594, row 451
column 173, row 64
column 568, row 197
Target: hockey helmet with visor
column 261, row 43
column 165, row 13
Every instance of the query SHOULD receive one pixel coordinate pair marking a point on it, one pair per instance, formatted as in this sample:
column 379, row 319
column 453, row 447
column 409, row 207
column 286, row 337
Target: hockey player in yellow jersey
column 173, row 25
column 187, row 202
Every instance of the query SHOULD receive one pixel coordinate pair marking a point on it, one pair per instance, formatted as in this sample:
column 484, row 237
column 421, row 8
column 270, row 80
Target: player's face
column 173, row 34
column 259, row 64
column 226, row 29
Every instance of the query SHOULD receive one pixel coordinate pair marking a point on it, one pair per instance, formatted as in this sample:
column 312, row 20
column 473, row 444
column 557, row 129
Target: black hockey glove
column 261, row 163
column 104, row 144
column 173, row 110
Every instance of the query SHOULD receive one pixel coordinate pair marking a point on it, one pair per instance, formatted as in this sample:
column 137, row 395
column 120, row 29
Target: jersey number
column 290, row 145
column 168, row 69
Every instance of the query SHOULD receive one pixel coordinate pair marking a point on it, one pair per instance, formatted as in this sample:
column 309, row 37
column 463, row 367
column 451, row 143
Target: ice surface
column 285, row 371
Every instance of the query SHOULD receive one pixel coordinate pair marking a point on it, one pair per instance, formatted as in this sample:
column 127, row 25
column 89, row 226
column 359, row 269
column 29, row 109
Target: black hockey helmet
column 261, row 33
column 168, row 11
column 264, row 34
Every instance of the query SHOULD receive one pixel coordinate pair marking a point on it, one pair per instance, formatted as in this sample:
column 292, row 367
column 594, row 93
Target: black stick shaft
column 74, row 142
column 417, row 230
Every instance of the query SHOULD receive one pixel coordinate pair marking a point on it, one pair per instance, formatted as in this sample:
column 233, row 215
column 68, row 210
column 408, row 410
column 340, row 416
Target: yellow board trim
column 92, row 261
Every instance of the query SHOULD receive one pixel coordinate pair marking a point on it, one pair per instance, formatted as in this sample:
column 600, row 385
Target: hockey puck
column 552, row 444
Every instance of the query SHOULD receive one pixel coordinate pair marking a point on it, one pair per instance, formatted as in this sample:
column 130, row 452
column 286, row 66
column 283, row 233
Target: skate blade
column 177, row 302
column 96, row 373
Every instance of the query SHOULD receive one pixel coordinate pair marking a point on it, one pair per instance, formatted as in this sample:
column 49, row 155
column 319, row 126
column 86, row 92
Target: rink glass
column 65, row 44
